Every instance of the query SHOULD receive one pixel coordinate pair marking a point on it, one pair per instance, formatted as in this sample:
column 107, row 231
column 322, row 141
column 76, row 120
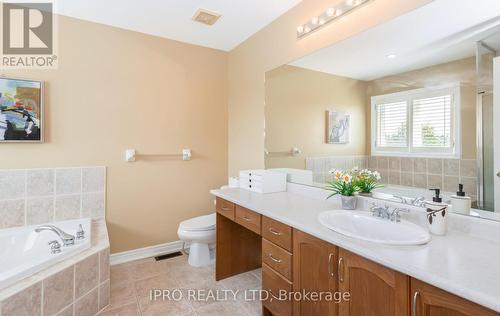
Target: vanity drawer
column 248, row 219
column 224, row 208
column 273, row 283
column 277, row 232
column 277, row 258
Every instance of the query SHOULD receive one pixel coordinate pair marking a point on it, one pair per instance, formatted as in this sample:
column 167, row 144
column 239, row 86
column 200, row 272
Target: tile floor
column 132, row 282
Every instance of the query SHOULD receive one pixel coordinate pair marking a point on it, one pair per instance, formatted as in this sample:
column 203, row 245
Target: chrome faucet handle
column 55, row 246
column 395, row 214
column 80, row 234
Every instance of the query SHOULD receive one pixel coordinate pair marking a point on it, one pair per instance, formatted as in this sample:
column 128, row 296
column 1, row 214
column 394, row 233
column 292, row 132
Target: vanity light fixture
column 329, row 15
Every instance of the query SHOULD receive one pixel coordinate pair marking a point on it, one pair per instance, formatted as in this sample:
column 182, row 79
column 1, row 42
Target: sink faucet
column 66, row 238
column 418, row 201
column 385, row 213
column 395, row 217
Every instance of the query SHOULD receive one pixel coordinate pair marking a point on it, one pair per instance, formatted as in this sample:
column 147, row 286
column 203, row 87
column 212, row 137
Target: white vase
column 349, row 202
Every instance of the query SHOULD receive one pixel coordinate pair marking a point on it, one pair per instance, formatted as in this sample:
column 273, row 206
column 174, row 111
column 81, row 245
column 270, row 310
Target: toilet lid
column 206, row 222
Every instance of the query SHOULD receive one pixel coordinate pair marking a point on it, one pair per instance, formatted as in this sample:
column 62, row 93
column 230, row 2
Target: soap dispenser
column 461, row 203
column 437, row 214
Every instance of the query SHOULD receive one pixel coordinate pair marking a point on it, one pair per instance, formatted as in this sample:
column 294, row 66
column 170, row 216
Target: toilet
column 199, row 233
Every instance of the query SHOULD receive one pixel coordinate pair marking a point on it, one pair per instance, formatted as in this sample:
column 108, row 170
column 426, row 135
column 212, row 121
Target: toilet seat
column 200, row 223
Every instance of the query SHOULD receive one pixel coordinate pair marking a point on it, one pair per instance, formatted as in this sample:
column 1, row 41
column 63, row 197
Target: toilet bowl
column 199, row 233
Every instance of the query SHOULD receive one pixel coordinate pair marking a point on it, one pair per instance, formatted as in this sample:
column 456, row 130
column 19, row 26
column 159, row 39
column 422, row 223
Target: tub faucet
column 67, row 239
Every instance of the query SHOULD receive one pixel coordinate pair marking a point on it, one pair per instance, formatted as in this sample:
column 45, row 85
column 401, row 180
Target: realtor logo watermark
column 28, row 35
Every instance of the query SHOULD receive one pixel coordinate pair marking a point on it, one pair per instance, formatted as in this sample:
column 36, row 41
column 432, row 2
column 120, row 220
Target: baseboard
column 146, row 252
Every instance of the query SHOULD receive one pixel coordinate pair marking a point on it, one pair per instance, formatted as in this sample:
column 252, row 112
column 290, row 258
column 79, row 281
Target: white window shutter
column 432, row 122
column 392, row 125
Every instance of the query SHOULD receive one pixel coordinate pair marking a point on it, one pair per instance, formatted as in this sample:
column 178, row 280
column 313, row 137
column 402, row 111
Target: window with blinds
column 421, row 122
column 432, row 122
column 392, row 124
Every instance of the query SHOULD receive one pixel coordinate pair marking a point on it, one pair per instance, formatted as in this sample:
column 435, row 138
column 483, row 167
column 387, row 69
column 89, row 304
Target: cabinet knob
column 498, row 174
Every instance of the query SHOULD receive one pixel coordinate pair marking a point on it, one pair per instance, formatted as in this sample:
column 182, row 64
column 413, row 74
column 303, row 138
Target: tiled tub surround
column 411, row 172
column 78, row 286
column 35, row 196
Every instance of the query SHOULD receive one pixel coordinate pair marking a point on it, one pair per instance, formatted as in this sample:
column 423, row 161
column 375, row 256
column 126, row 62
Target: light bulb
column 338, row 12
column 307, row 29
column 330, row 11
column 315, row 20
column 349, row 2
column 321, row 21
column 300, row 29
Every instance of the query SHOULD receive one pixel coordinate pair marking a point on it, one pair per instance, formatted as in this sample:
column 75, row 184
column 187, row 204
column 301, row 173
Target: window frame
column 409, row 96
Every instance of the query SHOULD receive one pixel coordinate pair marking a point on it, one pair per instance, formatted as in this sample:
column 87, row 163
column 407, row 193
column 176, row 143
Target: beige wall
column 461, row 71
column 274, row 46
column 117, row 89
column 296, row 102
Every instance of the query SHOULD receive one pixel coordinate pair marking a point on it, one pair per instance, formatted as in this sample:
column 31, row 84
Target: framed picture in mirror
column 338, row 125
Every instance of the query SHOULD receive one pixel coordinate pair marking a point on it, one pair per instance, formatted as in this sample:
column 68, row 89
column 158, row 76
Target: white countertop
column 461, row 264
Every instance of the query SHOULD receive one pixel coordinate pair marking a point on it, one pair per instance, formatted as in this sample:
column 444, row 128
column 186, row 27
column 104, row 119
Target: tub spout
column 67, row 239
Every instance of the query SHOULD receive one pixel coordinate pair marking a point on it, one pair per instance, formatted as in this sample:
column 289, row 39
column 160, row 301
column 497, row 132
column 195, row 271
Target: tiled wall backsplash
column 414, row 172
column 35, row 196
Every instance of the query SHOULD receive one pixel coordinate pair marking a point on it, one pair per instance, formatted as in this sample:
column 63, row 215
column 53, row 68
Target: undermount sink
column 364, row 226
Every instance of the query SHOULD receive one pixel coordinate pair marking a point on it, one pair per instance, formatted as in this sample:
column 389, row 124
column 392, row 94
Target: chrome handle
column 274, row 259
column 330, row 257
column 55, row 246
column 247, row 219
column 498, row 174
column 225, row 209
column 414, row 306
column 80, row 234
column 340, row 267
column 274, row 232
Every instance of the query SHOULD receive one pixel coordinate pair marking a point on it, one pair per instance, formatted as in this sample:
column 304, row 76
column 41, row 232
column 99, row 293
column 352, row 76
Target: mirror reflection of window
column 422, row 117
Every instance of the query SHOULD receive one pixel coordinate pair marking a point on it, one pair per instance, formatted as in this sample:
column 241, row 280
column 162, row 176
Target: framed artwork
column 21, row 110
column 338, row 125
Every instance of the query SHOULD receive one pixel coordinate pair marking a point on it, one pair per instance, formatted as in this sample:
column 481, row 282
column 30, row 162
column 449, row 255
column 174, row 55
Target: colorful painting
column 20, row 110
column 338, row 125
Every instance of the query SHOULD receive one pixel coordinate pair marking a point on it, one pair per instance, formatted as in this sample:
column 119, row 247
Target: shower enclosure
column 485, row 125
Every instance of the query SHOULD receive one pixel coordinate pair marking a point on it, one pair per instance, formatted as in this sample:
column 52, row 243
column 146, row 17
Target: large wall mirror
column 406, row 99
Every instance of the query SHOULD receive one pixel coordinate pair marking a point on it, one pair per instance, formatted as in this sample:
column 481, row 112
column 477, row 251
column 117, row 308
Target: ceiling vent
column 206, row 17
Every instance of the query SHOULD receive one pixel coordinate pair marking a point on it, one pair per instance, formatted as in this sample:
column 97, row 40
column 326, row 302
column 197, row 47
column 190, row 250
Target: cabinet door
column 314, row 270
column 374, row 289
column 431, row 301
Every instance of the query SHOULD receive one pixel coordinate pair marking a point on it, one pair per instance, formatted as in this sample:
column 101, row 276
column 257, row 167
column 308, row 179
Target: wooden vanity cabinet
column 294, row 260
column 428, row 300
column 314, row 270
column 374, row 289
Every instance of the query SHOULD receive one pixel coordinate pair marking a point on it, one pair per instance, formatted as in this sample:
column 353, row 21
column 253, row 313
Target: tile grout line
column 81, row 192
column 42, row 305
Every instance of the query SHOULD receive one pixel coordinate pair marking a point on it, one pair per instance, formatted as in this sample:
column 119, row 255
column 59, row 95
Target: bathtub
column 23, row 252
